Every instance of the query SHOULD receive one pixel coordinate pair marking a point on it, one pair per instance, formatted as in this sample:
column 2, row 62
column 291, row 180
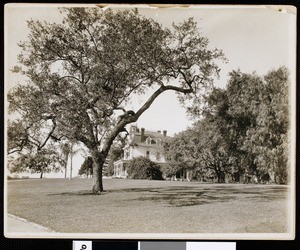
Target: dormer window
column 153, row 142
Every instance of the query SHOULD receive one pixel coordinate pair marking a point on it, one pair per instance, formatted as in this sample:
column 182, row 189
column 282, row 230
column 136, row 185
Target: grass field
column 142, row 206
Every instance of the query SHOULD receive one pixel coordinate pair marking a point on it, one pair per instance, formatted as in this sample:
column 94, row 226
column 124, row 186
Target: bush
column 143, row 168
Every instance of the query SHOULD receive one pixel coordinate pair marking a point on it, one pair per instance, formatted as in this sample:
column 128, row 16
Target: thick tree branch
column 130, row 116
column 49, row 135
column 151, row 99
column 72, row 77
column 14, row 151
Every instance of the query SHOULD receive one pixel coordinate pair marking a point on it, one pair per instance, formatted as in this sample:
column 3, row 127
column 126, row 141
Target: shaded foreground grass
column 142, row 206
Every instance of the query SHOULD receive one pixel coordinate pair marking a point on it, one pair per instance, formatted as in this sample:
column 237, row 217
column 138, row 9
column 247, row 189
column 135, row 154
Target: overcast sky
column 252, row 38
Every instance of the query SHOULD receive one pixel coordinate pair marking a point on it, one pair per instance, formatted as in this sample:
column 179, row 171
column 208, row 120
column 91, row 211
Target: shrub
column 143, row 168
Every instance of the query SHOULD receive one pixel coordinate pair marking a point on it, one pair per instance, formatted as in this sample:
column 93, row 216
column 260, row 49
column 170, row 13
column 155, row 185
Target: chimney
column 142, row 134
column 165, row 132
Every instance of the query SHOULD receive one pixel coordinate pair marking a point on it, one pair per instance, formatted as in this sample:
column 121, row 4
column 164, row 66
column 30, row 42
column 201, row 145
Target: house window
column 150, row 141
column 148, row 154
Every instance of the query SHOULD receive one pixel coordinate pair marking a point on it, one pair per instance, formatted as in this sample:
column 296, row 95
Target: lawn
column 142, row 206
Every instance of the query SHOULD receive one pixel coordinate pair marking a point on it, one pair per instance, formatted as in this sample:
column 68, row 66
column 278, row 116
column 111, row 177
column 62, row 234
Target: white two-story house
column 141, row 143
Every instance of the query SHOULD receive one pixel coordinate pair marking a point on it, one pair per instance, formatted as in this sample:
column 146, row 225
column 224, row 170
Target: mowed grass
column 142, row 206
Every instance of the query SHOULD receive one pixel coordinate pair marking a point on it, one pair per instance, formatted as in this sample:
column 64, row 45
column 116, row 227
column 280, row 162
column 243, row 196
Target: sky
column 253, row 38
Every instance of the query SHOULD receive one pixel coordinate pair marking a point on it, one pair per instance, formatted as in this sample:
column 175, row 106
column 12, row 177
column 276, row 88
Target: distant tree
column 81, row 73
column 268, row 140
column 65, row 148
column 201, row 150
column 212, row 150
column 31, row 148
column 73, row 150
column 242, row 130
column 182, row 154
column 170, row 168
column 243, row 93
column 252, row 116
column 86, row 167
column 42, row 161
column 143, row 168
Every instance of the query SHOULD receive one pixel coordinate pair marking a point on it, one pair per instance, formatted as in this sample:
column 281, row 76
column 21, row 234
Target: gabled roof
column 136, row 138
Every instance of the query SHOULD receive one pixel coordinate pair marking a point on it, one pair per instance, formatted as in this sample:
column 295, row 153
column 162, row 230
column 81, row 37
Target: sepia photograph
column 150, row 121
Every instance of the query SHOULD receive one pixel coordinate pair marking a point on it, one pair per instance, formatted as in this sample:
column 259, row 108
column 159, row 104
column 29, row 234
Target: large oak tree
column 82, row 72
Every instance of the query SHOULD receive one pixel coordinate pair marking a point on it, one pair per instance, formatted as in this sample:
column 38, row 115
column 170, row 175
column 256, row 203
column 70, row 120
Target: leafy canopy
column 82, row 72
column 244, row 129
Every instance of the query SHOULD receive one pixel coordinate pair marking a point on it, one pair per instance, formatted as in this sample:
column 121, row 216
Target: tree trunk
column 41, row 175
column 98, row 162
column 66, row 161
column 125, row 119
column 66, row 171
column 71, row 167
column 98, row 183
column 71, row 159
column 218, row 173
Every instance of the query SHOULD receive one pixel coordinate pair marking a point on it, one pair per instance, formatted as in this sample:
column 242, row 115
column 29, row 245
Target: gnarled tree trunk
column 125, row 119
column 98, row 162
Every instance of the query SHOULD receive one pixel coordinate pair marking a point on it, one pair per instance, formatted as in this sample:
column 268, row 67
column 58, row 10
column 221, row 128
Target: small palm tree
column 65, row 149
column 73, row 151
column 68, row 151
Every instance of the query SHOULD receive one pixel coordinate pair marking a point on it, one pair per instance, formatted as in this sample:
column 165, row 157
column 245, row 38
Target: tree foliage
column 201, row 150
column 83, row 71
column 243, row 130
column 86, row 167
column 43, row 161
column 65, row 148
column 268, row 140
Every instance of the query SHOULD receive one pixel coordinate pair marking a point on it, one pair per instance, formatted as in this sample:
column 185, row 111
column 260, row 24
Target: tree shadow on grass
column 77, row 193
column 185, row 199
column 182, row 196
column 192, row 196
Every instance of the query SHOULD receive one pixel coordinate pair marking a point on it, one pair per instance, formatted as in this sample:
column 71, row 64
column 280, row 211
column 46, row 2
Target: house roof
column 136, row 138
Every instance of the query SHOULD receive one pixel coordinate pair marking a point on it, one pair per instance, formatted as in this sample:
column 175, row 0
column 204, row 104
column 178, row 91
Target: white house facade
column 144, row 143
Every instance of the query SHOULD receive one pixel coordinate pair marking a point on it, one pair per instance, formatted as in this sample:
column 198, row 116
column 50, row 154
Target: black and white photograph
column 150, row 121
